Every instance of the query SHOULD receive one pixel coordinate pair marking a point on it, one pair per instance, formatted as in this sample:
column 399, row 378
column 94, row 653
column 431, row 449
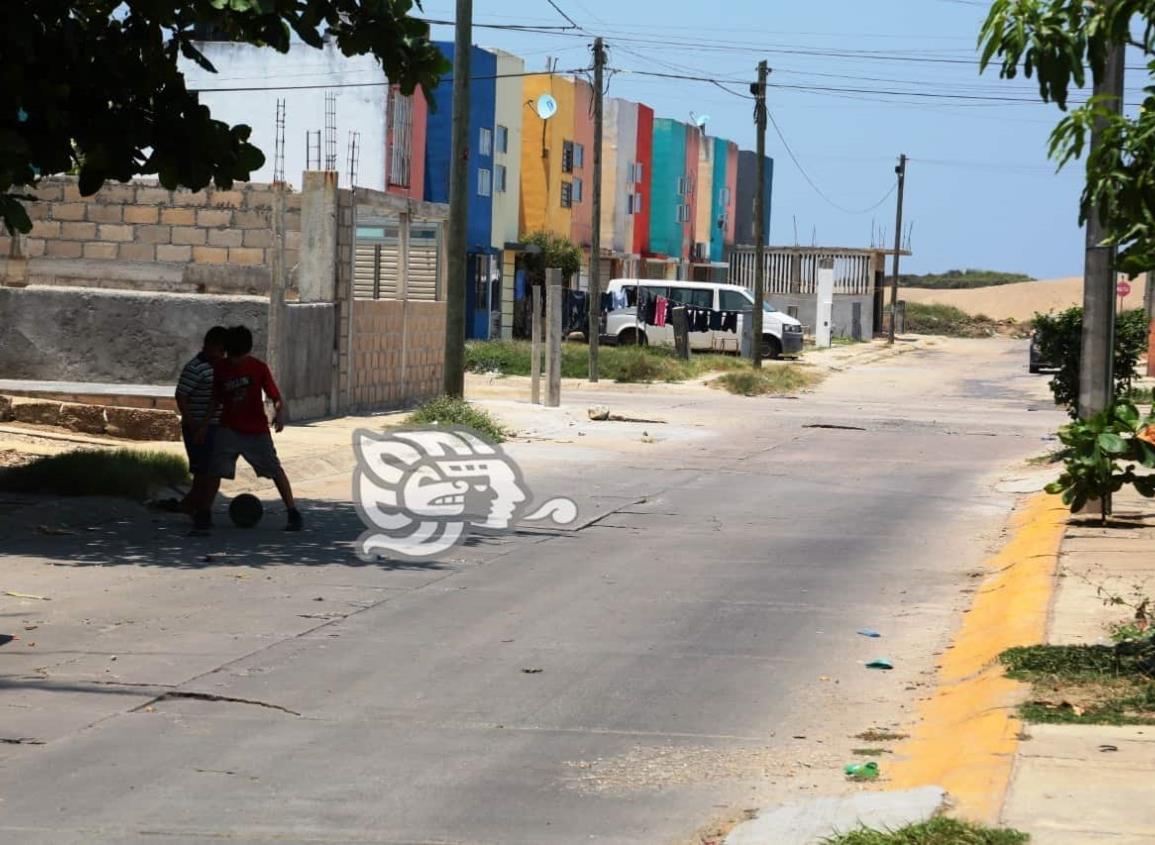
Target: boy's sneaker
column 202, row 524
column 295, row 523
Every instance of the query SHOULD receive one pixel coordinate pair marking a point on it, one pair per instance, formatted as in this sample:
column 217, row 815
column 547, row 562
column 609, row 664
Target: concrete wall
column 747, row 188
column 140, row 236
column 843, row 315
column 120, row 337
column 361, row 109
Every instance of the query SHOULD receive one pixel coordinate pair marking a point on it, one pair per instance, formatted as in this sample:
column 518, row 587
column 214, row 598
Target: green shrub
column 124, row 473
column 1060, row 341
column 445, row 410
column 1100, row 456
column 961, row 279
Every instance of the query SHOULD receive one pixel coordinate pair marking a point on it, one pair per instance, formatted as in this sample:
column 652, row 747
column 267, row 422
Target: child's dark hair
column 216, row 336
column 239, row 341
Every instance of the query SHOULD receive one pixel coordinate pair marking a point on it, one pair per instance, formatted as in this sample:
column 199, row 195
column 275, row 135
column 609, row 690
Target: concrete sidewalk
column 1078, row 784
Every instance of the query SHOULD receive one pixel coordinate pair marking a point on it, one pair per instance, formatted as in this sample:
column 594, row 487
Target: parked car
column 781, row 333
column 1037, row 363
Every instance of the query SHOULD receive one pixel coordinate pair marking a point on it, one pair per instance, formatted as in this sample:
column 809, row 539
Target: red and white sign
column 1123, row 288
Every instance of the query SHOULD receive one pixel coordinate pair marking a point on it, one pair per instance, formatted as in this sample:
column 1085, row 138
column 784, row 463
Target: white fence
column 795, row 271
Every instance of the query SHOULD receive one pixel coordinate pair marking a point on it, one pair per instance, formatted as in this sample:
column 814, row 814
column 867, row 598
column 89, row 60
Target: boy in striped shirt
column 199, row 415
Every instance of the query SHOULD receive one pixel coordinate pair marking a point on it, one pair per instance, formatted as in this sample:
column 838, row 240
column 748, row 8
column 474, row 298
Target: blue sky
column 980, row 191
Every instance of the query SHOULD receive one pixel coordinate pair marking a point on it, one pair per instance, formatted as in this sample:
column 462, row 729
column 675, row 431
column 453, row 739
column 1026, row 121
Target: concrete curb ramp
column 810, row 822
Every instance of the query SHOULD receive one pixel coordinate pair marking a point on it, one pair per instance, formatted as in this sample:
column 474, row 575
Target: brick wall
column 127, row 225
column 398, row 352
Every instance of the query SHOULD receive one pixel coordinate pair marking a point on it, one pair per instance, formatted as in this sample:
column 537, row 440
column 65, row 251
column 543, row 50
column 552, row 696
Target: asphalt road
column 690, row 655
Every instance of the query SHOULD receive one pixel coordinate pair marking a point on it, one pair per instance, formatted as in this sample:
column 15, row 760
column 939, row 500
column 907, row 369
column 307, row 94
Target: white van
column 781, row 333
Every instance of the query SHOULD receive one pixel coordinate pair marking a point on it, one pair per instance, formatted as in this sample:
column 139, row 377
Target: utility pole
column 1097, row 363
column 458, row 262
column 595, row 308
column 759, row 217
column 901, row 171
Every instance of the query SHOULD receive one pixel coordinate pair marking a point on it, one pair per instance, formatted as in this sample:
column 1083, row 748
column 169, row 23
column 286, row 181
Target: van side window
column 654, row 291
column 631, row 292
column 733, row 300
column 693, row 297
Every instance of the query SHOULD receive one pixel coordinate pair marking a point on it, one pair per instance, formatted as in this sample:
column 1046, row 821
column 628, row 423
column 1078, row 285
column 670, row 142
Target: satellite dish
column 702, row 121
column 546, row 106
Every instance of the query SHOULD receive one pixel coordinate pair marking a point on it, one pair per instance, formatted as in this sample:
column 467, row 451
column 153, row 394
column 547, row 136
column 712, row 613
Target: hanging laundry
column 715, row 323
column 661, row 311
column 619, row 299
column 730, row 321
column 702, row 321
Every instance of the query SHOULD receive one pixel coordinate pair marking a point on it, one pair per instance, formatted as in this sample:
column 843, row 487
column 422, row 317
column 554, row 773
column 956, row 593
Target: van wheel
column 632, row 337
column 771, row 347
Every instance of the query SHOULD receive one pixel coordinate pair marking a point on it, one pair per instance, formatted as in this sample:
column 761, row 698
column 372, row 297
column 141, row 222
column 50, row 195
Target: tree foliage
column 1060, row 341
column 94, row 85
column 1056, row 41
column 553, row 251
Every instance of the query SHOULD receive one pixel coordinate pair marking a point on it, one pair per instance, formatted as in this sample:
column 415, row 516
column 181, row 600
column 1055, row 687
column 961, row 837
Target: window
column 631, row 292
column 724, row 197
column 485, row 144
column 502, row 139
column 693, row 297
column 682, row 187
column 400, row 139
column 577, row 190
column 689, row 185
column 683, row 214
column 735, row 300
column 634, row 204
column 567, row 157
column 639, row 172
column 567, row 195
column 579, row 156
column 499, row 179
column 484, row 183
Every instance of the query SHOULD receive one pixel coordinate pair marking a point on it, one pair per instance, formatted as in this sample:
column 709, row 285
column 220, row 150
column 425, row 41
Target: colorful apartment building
column 547, row 158
column 745, row 231
column 483, row 264
column 643, row 173
column 582, row 165
column 704, row 207
column 509, row 114
column 669, row 193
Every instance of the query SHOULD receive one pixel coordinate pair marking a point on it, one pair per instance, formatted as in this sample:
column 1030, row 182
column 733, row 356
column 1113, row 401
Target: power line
column 558, row 9
column 383, row 84
column 811, row 182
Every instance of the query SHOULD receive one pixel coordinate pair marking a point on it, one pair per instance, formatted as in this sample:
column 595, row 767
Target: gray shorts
column 257, row 450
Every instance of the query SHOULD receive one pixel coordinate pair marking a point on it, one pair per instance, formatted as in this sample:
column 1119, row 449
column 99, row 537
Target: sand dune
column 1019, row 301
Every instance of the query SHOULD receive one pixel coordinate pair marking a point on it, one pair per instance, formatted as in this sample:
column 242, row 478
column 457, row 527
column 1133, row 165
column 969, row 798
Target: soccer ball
column 246, row 510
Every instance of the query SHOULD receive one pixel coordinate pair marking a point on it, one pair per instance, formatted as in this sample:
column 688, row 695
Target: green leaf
column 1112, row 443
column 1055, row 488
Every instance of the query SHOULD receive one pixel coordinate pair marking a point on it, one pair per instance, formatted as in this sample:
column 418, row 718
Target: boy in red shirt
column 241, row 384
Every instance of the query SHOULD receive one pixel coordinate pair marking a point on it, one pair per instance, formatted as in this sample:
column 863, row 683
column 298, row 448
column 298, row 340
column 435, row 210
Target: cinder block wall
column 212, row 240
column 398, row 352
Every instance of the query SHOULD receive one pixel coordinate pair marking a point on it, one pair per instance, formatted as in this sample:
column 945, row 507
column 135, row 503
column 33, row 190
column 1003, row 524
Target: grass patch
column 870, row 752
column 940, row 831
column 947, row 320
column 445, row 410
column 879, row 735
column 123, row 473
column 625, row 364
column 1089, row 685
column 1142, row 395
column 772, row 380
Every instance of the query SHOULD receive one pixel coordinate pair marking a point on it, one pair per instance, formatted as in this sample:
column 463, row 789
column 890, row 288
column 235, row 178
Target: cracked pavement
column 688, row 654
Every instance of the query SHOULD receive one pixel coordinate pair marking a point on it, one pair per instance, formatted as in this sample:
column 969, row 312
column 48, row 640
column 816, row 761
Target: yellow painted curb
column 967, row 733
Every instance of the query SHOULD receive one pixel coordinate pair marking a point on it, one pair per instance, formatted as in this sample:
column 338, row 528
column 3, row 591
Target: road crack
column 206, row 696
